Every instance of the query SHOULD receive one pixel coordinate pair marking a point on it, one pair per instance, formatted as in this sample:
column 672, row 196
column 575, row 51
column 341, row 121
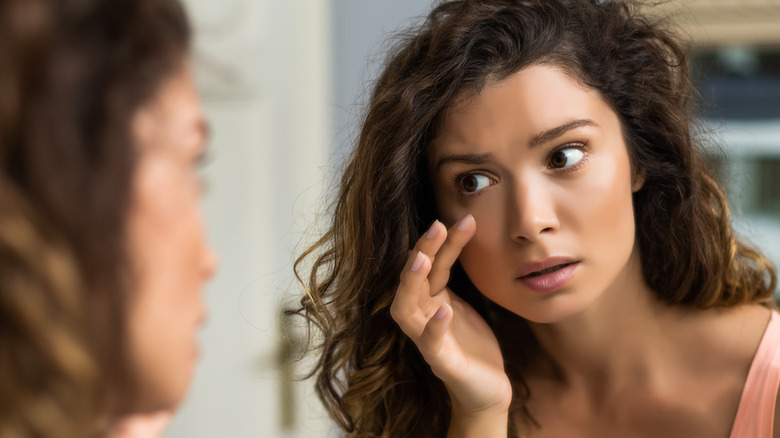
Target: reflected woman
column 526, row 241
column 102, row 247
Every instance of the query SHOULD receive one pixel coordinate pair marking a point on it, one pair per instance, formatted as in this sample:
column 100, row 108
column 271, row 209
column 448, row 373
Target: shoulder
column 769, row 359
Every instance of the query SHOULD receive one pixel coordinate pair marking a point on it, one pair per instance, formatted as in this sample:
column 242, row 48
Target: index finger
column 457, row 237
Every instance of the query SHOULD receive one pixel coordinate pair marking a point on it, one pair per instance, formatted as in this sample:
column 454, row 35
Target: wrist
column 492, row 423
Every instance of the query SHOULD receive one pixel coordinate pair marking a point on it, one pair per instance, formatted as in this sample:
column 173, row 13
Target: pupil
column 470, row 183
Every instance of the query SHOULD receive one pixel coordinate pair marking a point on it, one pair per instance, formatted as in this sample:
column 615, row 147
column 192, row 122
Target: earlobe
column 638, row 181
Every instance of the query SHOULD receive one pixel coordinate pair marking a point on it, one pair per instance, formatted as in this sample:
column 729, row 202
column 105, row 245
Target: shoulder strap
column 756, row 412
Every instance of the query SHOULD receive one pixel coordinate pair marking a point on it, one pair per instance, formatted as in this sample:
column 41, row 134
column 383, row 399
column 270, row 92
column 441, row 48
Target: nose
column 532, row 211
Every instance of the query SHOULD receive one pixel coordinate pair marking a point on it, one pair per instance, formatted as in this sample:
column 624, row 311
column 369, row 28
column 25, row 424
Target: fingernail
column 442, row 312
column 433, row 230
column 465, row 222
column 418, row 261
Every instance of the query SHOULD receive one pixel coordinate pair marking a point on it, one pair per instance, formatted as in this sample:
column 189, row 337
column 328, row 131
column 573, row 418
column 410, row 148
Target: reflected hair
column 72, row 75
column 370, row 376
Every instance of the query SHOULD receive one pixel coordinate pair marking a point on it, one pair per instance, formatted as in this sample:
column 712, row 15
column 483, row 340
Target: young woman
column 102, row 249
column 527, row 242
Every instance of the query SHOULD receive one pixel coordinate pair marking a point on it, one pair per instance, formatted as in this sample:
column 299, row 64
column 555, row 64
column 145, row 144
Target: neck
column 623, row 337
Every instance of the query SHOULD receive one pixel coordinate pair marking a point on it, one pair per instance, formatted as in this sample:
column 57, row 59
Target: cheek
column 601, row 204
column 484, row 255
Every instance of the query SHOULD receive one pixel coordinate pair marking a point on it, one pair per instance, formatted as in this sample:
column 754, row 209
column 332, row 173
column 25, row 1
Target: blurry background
column 283, row 84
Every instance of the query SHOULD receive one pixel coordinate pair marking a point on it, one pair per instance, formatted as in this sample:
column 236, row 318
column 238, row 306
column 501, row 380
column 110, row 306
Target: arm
column 486, row 425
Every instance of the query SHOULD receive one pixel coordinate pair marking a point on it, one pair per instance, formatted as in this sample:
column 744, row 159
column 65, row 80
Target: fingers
column 405, row 309
column 430, row 242
column 414, row 282
column 458, row 236
column 425, row 274
column 432, row 337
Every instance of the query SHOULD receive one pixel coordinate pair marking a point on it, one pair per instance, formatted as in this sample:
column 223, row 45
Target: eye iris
column 558, row 159
column 470, row 183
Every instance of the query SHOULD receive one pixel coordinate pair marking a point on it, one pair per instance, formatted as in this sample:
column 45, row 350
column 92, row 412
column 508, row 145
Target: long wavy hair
column 370, row 377
column 72, row 75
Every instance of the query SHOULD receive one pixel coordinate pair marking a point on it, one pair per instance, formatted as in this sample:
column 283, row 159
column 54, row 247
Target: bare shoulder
column 726, row 336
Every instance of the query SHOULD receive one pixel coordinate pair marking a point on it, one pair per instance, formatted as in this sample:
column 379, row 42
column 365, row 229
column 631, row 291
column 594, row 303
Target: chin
column 552, row 310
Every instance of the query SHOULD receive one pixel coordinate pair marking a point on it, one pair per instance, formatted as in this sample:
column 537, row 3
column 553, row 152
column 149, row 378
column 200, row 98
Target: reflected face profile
column 167, row 244
column 541, row 164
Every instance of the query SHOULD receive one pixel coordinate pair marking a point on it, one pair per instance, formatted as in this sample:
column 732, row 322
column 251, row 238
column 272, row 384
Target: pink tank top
column 756, row 412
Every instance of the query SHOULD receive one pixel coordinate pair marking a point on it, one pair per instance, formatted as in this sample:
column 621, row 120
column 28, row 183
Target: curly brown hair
column 370, row 377
column 72, row 74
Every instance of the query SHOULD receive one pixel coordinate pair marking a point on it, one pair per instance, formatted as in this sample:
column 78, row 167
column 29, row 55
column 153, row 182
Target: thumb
column 432, row 337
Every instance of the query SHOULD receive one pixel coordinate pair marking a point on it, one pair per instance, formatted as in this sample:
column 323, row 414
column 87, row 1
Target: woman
column 102, row 249
column 527, row 242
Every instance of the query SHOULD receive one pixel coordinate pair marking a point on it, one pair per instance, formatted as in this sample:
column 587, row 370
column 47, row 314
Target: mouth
column 552, row 264
column 549, row 275
column 548, row 270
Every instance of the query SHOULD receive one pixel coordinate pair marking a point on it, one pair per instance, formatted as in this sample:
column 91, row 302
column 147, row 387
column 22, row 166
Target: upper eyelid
column 570, row 145
column 583, row 146
column 459, row 175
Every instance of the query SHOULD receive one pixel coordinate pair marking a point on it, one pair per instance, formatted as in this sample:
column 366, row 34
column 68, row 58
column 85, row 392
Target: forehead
column 534, row 99
column 174, row 112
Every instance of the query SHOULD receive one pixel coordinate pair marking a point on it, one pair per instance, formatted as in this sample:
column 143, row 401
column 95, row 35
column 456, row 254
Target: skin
column 167, row 245
column 527, row 209
column 614, row 361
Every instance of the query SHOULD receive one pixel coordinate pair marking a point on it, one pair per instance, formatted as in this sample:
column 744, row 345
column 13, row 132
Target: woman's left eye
column 197, row 166
column 566, row 157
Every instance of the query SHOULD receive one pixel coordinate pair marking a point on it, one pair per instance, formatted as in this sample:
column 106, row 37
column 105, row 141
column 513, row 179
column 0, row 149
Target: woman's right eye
column 472, row 183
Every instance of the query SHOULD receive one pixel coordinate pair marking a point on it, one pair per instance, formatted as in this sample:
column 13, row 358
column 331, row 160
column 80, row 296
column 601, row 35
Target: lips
column 549, row 275
column 544, row 267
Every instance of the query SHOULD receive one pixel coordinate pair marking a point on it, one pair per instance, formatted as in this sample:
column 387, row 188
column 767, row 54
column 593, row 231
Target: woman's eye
column 197, row 168
column 472, row 183
column 566, row 157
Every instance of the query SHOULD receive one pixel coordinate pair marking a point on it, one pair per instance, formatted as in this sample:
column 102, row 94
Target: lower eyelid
column 580, row 164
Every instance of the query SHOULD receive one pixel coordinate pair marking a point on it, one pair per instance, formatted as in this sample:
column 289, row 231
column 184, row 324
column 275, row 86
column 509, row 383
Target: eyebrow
column 465, row 158
column 552, row 134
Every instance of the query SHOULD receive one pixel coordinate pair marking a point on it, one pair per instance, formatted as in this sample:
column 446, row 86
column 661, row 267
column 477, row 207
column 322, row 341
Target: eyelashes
column 566, row 158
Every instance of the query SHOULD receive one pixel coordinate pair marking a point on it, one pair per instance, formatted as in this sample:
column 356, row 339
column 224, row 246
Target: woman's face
column 541, row 164
column 167, row 246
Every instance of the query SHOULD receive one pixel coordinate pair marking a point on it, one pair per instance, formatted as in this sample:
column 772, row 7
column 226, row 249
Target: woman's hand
column 455, row 341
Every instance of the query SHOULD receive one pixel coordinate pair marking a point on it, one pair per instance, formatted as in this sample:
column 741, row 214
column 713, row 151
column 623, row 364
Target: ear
column 637, row 181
